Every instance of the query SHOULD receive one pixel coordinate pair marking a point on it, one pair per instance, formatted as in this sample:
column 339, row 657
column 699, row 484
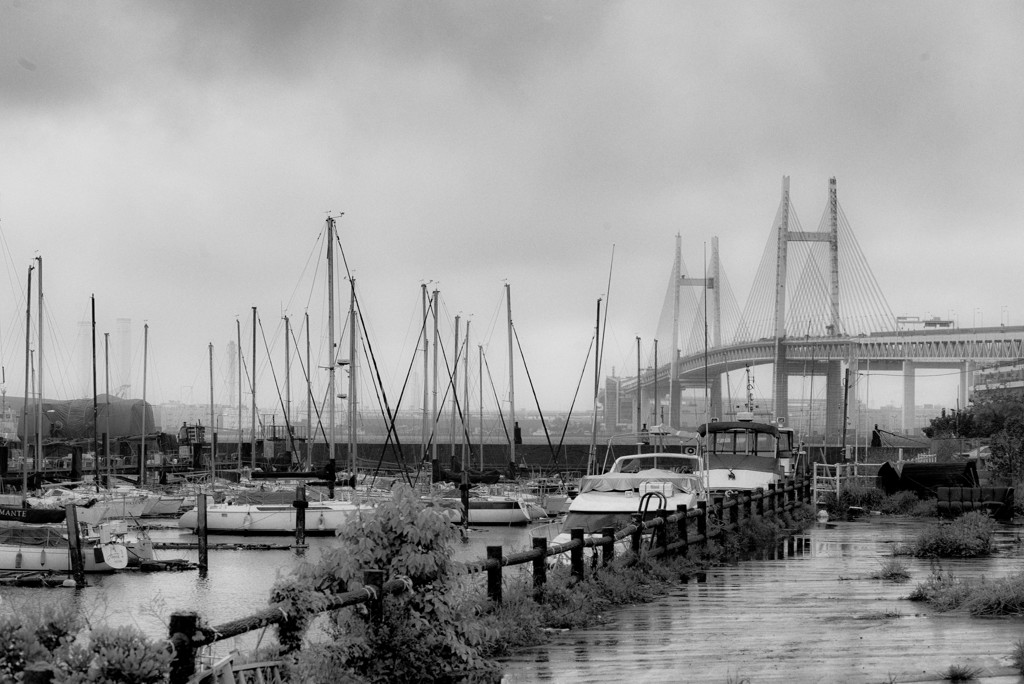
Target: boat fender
column 247, row 521
column 42, row 557
column 321, row 524
column 17, row 559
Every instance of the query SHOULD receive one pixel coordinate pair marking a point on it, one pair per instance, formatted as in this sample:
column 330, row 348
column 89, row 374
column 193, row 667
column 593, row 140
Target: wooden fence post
column 182, row 626
column 75, row 546
column 301, row 505
column 494, row 574
column 760, row 502
column 661, row 531
column 772, row 499
column 638, row 534
column 702, row 521
column 576, row 555
column 201, row 532
column 683, row 526
column 608, row 548
column 540, row 566
column 375, row 578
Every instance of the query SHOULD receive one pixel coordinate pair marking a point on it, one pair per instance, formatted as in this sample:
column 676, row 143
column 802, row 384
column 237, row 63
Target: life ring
column 321, row 524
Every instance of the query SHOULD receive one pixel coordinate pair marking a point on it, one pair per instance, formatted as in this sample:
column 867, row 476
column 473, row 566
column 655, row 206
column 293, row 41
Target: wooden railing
column 666, row 533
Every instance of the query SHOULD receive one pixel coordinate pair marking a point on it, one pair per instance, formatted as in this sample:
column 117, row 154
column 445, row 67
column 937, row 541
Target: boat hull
column 321, row 518
column 503, row 512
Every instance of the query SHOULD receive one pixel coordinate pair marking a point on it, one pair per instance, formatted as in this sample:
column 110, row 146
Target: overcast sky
column 177, row 160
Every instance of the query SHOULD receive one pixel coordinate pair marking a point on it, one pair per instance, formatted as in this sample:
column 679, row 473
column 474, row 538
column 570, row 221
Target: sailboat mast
column 424, row 433
column 654, row 420
column 310, row 431
column 435, row 471
column 465, row 393
column 353, row 408
column 332, row 364
column 24, row 406
column 39, row 377
column 252, row 386
column 238, row 345
column 480, row 369
column 511, row 382
column 592, row 456
column 95, row 405
column 287, row 378
column 455, row 391
column 106, row 393
column 142, row 444
column 213, row 435
column 639, row 394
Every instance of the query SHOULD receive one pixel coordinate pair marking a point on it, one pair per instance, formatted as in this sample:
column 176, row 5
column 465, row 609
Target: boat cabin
column 746, row 454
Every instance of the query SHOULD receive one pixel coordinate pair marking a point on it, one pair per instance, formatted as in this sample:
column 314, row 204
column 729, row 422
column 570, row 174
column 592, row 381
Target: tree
column 423, row 636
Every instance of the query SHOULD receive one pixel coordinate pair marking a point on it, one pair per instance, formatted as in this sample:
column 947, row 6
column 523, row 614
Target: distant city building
column 1001, row 377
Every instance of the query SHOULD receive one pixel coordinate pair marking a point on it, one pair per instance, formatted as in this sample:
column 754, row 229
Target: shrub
column 969, row 536
column 900, row 503
column 893, row 569
column 114, row 654
column 422, row 634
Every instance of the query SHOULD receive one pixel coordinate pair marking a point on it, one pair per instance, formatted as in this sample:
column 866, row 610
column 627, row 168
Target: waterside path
column 815, row 615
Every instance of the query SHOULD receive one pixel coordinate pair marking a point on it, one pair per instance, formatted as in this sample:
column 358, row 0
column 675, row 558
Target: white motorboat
column 642, row 483
column 745, row 455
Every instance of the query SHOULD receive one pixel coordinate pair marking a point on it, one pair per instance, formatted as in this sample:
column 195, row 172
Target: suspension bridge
column 815, row 310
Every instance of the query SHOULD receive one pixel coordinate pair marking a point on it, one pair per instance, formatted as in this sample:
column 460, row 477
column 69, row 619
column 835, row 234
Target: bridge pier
column 715, row 396
column 909, row 403
column 833, row 402
column 781, row 383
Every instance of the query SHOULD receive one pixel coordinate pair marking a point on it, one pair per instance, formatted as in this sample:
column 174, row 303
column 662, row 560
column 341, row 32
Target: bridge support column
column 780, row 395
column 966, row 380
column 909, row 401
column 675, row 399
column 715, row 397
column 833, row 402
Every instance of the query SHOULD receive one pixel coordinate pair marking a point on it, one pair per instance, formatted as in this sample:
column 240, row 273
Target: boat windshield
column 662, row 461
column 742, row 442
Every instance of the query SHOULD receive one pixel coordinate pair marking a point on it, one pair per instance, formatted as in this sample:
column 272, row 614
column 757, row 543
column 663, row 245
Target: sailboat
column 245, row 513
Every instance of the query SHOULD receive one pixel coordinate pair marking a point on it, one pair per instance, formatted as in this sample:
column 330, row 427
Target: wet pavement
column 812, row 613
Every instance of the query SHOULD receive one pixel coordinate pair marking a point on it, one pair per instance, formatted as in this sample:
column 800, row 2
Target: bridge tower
column 784, row 237
column 713, row 311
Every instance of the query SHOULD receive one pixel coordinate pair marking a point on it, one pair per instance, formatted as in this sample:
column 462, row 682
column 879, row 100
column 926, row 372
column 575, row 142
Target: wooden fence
column 666, row 533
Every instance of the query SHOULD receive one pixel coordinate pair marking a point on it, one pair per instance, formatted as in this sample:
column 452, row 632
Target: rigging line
column 547, row 435
column 444, row 397
column 277, row 388
column 381, row 393
column 497, row 401
column 604, row 323
column 311, row 258
column 579, row 383
column 309, row 396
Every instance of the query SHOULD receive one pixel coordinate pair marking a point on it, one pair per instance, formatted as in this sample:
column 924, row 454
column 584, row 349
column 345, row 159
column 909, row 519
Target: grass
column 969, row 536
column 874, row 499
column 894, row 570
column 961, row 673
